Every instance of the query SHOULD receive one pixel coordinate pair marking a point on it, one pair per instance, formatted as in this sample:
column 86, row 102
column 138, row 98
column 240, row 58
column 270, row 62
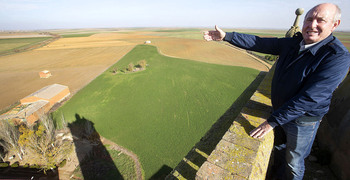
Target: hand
column 217, row 35
column 261, row 130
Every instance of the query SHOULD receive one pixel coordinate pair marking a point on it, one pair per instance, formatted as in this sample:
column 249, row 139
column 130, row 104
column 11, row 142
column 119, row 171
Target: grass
column 77, row 35
column 159, row 113
column 123, row 163
column 11, row 44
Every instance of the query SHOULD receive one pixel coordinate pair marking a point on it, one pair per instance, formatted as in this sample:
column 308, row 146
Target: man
column 310, row 67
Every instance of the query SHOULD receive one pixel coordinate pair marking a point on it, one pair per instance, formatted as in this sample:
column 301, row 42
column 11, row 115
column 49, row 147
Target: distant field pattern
column 75, row 61
column 13, row 43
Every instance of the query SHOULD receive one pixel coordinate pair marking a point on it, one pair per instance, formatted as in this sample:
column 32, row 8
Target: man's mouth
column 312, row 33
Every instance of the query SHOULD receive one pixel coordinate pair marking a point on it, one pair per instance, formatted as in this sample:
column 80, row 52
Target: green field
column 10, row 44
column 159, row 113
column 77, row 35
column 123, row 163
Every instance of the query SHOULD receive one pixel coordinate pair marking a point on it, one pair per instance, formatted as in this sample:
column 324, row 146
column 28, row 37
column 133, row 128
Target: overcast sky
column 64, row 14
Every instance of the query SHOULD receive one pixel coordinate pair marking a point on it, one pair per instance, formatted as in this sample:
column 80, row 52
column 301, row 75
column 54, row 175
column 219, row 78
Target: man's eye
column 321, row 21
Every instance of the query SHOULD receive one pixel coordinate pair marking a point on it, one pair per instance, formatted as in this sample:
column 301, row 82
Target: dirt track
column 133, row 156
column 77, row 61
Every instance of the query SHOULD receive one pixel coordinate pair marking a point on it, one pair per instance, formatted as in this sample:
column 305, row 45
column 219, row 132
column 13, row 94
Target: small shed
column 45, row 74
column 148, row 42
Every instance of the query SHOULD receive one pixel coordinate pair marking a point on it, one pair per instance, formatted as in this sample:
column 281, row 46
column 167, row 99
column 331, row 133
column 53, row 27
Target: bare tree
column 36, row 144
column 44, row 145
column 10, row 135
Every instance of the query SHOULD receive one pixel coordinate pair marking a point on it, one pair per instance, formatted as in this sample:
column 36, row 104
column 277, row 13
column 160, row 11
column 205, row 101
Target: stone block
column 234, row 158
column 256, row 105
column 213, row 172
column 238, row 135
column 254, row 115
column 262, row 98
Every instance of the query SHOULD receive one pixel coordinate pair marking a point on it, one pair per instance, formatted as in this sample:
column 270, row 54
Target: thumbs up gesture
column 217, row 35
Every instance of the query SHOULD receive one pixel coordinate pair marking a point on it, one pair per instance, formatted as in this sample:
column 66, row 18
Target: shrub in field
column 142, row 64
column 130, row 67
column 115, row 70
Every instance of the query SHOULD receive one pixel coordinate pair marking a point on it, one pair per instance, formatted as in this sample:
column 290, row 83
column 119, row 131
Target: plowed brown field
column 77, row 61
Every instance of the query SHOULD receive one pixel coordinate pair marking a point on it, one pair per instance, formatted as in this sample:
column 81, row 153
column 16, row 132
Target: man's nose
column 313, row 23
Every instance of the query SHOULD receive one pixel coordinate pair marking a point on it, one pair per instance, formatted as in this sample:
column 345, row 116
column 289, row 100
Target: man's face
column 319, row 23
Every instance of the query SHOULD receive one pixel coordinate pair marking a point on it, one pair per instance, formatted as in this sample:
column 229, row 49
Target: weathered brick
column 237, row 135
column 213, row 172
column 254, row 115
column 257, row 105
column 248, row 125
column 234, row 158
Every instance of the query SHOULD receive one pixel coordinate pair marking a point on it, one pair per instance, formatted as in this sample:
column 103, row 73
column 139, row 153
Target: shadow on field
column 161, row 173
column 94, row 160
column 188, row 167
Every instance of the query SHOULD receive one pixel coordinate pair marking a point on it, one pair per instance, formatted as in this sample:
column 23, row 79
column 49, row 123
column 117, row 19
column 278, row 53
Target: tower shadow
column 94, row 160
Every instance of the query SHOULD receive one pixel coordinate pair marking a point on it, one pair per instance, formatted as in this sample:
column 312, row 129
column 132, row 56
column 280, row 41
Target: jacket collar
column 313, row 50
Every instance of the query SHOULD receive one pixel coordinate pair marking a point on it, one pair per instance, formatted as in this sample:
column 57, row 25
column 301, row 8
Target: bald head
column 320, row 22
column 329, row 6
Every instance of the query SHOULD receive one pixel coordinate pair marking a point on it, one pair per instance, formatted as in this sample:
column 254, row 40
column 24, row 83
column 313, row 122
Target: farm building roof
column 34, row 107
column 23, row 112
column 49, row 91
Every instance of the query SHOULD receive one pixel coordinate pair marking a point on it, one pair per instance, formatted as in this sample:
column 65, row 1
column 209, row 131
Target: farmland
column 75, row 61
column 12, row 43
column 159, row 113
column 182, row 95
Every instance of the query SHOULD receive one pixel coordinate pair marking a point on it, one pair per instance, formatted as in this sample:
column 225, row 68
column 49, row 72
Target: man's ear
column 335, row 25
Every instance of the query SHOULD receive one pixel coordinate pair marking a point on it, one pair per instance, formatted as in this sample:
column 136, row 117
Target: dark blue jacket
column 303, row 83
